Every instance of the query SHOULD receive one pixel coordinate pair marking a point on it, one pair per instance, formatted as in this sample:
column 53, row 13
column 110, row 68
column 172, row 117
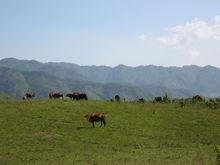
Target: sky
column 112, row 32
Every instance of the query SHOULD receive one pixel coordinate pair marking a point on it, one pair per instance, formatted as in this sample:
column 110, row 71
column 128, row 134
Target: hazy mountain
column 103, row 82
column 15, row 83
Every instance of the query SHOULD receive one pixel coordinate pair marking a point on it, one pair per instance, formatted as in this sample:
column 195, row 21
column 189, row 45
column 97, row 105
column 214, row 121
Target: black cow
column 141, row 100
column 117, row 98
column 77, row 96
column 158, row 99
column 70, row 95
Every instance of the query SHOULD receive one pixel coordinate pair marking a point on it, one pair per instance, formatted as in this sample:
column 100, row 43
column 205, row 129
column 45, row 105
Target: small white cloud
column 142, row 37
column 169, row 40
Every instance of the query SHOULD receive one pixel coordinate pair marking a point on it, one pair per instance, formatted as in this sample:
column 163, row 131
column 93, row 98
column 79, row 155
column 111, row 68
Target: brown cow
column 96, row 117
column 55, row 95
column 198, row 98
column 79, row 96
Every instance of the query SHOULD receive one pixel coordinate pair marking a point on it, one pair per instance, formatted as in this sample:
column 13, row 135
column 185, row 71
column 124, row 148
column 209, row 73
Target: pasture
column 56, row 132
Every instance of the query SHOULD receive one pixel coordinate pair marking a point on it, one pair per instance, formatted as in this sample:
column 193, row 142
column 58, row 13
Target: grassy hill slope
column 55, row 132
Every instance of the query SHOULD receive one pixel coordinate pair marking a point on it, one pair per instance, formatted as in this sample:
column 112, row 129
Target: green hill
column 56, row 132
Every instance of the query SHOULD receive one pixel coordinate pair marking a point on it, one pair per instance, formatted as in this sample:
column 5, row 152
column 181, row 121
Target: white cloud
column 169, row 40
column 188, row 36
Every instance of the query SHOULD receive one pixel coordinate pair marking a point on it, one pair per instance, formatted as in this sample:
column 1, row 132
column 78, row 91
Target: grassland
column 55, row 132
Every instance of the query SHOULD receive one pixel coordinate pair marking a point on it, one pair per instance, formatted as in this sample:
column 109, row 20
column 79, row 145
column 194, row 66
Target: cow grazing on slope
column 141, row 100
column 158, row 99
column 70, row 95
column 28, row 95
column 198, row 98
column 117, row 98
column 96, row 117
column 55, row 95
column 79, row 96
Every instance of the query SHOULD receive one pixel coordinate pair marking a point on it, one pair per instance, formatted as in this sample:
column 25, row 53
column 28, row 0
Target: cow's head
column 87, row 116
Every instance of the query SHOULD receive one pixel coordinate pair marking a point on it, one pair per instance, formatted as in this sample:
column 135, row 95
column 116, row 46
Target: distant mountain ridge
column 102, row 82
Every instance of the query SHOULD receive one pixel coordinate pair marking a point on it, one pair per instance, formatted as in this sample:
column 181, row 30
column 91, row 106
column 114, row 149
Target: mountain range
column 103, row 82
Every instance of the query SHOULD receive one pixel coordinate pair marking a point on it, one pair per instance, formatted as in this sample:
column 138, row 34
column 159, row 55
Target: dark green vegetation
column 55, row 132
column 101, row 82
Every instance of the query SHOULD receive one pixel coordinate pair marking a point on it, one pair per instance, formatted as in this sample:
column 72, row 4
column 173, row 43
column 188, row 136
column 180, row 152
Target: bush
column 166, row 98
column 213, row 103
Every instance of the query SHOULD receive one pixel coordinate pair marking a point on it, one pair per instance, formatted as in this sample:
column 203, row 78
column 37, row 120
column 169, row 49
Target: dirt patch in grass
column 46, row 135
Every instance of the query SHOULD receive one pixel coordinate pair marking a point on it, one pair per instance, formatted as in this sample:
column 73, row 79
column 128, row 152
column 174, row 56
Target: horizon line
column 118, row 65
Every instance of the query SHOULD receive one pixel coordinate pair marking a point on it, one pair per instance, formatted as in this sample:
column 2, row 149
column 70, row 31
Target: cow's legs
column 104, row 122
column 93, row 124
column 101, row 124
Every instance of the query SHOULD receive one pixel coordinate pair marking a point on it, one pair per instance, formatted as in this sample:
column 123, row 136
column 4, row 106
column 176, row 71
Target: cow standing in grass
column 198, row 98
column 96, row 117
column 141, row 100
column 158, row 99
column 55, row 95
column 117, row 98
column 28, row 95
column 70, row 95
column 77, row 96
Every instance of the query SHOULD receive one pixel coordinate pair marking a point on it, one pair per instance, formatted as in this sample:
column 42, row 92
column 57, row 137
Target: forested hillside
column 102, row 82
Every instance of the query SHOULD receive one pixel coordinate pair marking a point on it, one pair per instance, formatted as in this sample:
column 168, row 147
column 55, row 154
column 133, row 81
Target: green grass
column 56, row 132
column 4, row 97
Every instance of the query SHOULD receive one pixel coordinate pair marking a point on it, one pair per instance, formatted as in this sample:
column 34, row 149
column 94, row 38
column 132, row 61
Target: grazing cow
column 82, row 96
column 158, row 99
column 141, row 100
column 96, row 117
column 55, row 95
column 70, row 95
column 28, row 95
column 117, row 98
column 79, row 96
column 198, row 98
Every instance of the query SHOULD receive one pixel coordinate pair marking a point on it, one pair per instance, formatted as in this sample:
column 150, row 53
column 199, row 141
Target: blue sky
column 112, row 32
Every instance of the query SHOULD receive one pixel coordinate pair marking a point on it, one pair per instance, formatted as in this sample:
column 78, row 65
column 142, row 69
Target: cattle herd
column 83, row 96
column 100, row 117
column 57, row 95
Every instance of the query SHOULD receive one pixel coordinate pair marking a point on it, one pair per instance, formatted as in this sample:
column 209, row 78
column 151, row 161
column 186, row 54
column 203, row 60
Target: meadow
column 56, row 132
